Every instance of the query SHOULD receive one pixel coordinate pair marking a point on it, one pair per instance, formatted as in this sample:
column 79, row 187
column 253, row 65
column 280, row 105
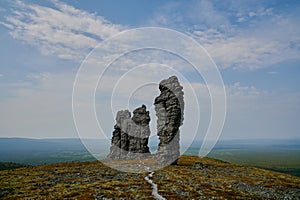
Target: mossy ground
column 192, row 178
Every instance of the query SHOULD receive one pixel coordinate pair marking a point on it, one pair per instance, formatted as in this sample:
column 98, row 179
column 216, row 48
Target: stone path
column 153, row 185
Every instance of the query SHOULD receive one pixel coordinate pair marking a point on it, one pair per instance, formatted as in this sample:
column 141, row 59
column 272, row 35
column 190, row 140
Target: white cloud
column 241, row 19
column 69, row 33
column 40, row 76
column 180, row 15
column 261, row 45
column 248, row 52
column 63, row 30
column 237, row 35
column 261, row 12
column 252, row 14
column 239, row 91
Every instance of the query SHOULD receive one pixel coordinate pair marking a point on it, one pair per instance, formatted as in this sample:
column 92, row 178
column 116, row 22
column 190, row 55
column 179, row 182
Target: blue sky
column 256, row 46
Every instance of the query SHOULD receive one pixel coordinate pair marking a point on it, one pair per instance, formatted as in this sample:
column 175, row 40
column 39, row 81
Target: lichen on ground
column 191, row 178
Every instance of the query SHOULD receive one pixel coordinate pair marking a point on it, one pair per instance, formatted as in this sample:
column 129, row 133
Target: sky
column 254, row 44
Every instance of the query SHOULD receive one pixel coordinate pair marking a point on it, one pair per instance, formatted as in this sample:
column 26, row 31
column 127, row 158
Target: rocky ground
column 192, row 178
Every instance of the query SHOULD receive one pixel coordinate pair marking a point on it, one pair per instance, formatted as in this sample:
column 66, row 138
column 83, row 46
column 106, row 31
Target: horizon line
column 63, row 138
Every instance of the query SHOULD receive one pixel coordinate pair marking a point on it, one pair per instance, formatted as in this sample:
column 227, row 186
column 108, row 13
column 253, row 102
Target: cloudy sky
column 255, row 45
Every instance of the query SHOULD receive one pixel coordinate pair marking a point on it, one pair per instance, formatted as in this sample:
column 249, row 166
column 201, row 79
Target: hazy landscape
column 277, row 155
column 114, row 99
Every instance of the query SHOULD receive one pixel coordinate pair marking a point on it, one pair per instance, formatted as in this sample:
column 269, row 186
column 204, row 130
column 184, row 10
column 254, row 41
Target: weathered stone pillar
column 119, row 142
column 139, row 132
column 169, row 107
column 130, row 135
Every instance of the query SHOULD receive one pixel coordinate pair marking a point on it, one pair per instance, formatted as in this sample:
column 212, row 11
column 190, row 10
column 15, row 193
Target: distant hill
column 45, row 151
column 277, row 155
column 282, row 155
column 192, row 178
column 10, row 165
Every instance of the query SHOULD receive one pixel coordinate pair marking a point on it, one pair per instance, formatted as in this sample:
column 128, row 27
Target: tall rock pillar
column 169, row 107
column 119, row 142
column 139, row 132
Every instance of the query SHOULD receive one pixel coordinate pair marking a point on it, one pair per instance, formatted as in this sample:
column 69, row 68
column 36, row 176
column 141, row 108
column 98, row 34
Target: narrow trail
column 153, row 185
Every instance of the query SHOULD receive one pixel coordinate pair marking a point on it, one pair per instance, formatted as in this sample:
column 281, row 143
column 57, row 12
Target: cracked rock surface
column 169, row 107
column 130, row 135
